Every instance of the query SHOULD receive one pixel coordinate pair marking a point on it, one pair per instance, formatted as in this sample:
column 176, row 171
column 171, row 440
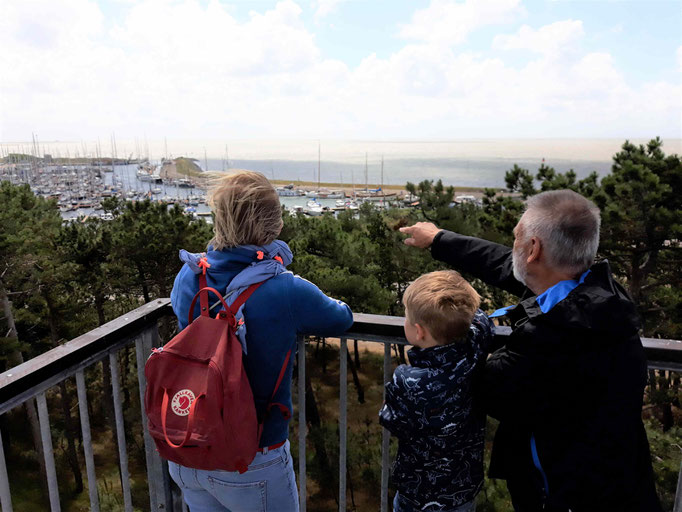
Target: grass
column 187, row 167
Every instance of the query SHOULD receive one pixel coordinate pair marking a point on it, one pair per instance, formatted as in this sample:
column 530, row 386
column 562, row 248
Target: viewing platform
column 139, row 329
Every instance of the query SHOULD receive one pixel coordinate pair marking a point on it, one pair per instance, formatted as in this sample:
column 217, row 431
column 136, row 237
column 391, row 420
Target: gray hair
column 567, row 224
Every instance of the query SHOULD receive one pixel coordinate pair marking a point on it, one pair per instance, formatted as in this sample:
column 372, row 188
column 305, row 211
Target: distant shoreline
column 312, row 185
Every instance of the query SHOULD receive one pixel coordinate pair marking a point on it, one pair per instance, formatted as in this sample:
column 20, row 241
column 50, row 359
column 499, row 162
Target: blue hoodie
column 284, row 306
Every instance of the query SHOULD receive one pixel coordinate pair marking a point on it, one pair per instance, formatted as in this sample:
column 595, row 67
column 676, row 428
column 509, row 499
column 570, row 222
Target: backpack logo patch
column 182, row 401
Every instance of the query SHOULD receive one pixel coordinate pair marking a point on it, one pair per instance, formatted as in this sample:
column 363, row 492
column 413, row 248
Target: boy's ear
column 421, row 332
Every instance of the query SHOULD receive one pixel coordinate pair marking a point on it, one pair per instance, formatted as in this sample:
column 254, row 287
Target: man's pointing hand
column 421, row 234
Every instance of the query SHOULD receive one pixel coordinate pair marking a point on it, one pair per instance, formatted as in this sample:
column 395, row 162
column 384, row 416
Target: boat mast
column 382, row 178
column 352, row 179
column 366, row 184
column 318, row 166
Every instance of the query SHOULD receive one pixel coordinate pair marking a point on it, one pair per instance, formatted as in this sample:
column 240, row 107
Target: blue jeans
column 268, row 485
column 466, row 507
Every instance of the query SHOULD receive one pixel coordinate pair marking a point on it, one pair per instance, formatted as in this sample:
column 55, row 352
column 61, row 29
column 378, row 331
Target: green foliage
column 666, row 457
column 520, row 180
column 433, row 198
column 146, row 238
column 642, row 227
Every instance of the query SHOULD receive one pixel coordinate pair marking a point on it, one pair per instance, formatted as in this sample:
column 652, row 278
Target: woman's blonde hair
column 247, row 210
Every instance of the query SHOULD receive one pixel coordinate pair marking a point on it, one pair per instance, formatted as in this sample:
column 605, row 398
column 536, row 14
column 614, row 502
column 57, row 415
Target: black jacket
column 570, row 380
column 430, row 408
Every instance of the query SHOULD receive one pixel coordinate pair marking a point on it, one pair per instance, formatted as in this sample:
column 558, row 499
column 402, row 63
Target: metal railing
column 33, row 378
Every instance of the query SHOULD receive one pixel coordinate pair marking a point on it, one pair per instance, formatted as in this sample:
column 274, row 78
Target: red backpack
column 200, row 407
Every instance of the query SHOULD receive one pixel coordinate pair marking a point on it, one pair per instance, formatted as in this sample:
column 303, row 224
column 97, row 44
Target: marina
column 79, row 188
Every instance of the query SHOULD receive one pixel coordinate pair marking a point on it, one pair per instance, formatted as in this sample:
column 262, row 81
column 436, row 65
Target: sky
column 340, row 69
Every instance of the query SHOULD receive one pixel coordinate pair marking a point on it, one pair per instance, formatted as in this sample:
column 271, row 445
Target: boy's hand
column 421, row 234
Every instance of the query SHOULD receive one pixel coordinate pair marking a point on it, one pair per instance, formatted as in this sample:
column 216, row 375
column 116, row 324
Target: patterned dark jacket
column 430, row 409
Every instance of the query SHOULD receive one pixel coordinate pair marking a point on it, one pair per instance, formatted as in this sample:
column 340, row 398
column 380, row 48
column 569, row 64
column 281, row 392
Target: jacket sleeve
column 397, row 414
column 484, row 331
column 515, row 386
column 315, row 313
column 185, row 286
column 485, row 260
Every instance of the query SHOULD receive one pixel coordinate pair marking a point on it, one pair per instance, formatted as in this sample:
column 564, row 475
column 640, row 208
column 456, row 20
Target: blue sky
column 342, row 68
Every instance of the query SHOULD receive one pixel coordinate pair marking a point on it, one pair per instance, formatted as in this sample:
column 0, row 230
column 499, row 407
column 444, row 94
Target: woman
column 245, row 250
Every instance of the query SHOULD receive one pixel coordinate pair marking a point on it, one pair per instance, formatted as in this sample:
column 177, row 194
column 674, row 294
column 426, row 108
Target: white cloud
column 324, row 8
column 549, row 39
column 187, row 69
column 450, row 22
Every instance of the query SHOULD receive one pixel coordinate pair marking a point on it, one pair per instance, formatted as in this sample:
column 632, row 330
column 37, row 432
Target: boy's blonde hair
column 247, row 210
column 443, row 302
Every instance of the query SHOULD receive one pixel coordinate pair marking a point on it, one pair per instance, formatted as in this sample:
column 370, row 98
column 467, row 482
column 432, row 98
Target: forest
column 59, row 280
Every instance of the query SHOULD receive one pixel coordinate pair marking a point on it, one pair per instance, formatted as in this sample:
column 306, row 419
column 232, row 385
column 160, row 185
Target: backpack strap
column 243, row 297
column 286, row 413
column 203, row 301
column 202, row 295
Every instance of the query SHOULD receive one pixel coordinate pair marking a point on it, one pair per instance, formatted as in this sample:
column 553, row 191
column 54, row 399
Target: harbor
column 80, row 187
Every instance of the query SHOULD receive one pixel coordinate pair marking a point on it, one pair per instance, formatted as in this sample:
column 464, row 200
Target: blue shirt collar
column 555, row 294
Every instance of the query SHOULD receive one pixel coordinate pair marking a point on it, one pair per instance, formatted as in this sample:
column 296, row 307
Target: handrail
column 43, row 371
column 14, row 383
column 664, row 354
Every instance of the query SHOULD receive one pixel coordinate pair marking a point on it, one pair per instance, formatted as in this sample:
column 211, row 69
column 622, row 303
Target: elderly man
column 567, row 385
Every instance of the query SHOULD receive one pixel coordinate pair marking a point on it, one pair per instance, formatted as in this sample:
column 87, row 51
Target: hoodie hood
column 235, row 259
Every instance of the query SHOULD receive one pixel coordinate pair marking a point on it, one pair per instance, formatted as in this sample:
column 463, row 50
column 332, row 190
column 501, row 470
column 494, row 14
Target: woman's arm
column 315, row 313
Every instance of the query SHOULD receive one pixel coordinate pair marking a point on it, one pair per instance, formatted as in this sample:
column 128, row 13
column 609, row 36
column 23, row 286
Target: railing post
column 152, row 482
column 302, row 425
column 165, row 475
column 46, row 435
column 155, row 480
column 385, row 434
column 87, row 441
column 343, row 397
column 5, row 496
column 120, row 432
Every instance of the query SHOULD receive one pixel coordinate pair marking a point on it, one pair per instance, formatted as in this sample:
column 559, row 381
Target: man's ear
column 534, row 250
column 421, row 332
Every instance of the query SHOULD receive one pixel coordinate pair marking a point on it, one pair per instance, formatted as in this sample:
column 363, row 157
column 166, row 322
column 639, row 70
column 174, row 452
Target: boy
column 429, row 405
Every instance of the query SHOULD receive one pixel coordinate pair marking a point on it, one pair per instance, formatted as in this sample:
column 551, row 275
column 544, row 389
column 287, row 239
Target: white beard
column 519, row 267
